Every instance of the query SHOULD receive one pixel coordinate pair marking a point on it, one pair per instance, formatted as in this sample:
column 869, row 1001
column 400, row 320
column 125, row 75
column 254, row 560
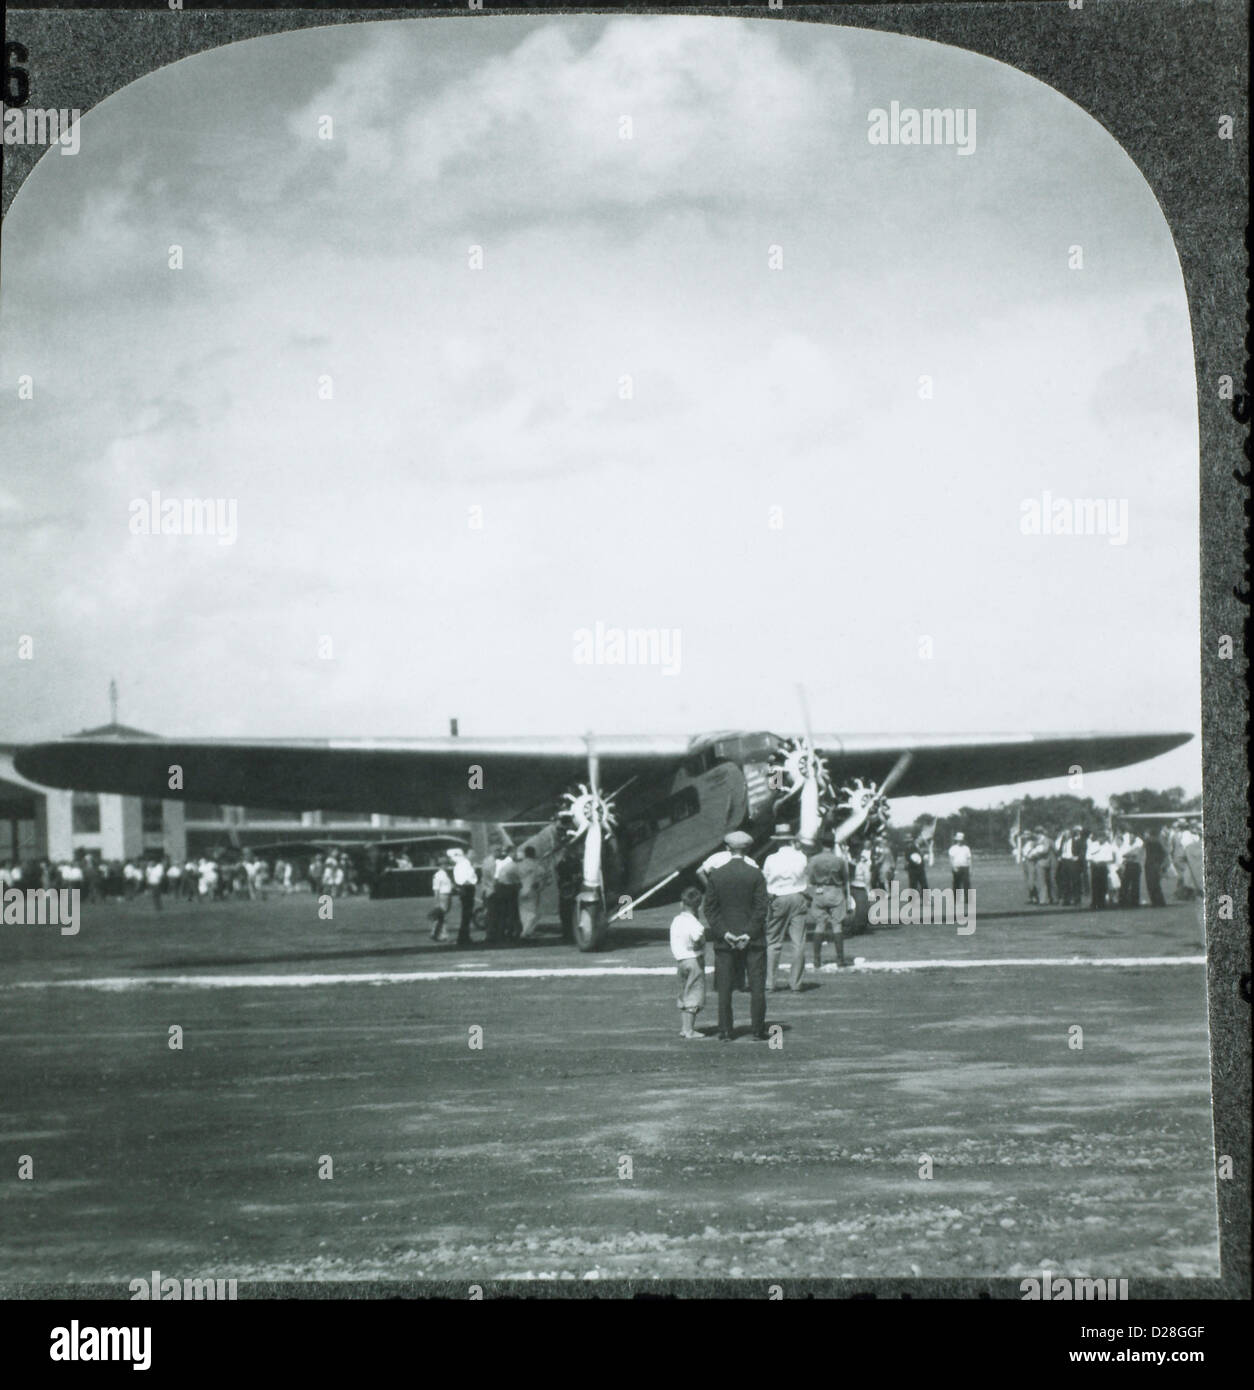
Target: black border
column 1157, row 74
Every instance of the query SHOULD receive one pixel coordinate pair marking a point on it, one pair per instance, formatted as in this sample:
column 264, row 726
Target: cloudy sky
column 501, row 389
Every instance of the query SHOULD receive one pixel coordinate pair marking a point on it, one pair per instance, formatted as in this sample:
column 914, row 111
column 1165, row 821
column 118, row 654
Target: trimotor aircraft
column 635, row 811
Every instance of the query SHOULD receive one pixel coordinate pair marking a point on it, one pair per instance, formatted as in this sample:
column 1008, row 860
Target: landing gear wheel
column 591, row 926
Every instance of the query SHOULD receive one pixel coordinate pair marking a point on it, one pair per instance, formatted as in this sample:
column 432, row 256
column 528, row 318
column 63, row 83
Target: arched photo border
column 1157, row 75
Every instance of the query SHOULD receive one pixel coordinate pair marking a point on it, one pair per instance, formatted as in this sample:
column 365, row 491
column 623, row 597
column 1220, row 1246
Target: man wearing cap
column 710, row 863
column 785, row 874
column 830, row 902
column 736, row 906
column 960, row 862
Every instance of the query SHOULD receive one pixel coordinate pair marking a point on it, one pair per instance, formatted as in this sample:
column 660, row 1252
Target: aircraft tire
column 591, row 927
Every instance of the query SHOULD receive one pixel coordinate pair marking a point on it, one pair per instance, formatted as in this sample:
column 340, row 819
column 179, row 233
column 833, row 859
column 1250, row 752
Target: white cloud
column 716, row 112
column 500, row 388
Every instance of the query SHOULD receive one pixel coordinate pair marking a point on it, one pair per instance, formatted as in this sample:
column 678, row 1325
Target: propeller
column 810, row 817
column 590, row 815
column 807, row 777
column 592, row 880
column 869, row 798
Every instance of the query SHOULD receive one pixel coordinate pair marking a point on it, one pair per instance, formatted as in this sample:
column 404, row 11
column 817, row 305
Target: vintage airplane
column 672, row 798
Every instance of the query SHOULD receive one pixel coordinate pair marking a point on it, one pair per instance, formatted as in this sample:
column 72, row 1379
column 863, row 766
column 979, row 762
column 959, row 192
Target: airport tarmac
column 583, row 1140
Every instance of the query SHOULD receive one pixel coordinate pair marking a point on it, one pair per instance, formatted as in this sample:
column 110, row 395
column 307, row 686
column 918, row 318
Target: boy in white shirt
column 688, row 948
column 442, row 892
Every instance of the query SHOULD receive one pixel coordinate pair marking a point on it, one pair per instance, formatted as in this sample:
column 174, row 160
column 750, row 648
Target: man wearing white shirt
column 155, row 875
column 1131, row 856
column 785, row 873
column 960, row 862
column 1101, row 856
column 464, row 882
column 861, row 881
column 508, row 883
column 1070, row 850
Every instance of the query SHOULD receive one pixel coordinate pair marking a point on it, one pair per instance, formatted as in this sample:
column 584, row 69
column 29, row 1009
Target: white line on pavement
column 405, row 977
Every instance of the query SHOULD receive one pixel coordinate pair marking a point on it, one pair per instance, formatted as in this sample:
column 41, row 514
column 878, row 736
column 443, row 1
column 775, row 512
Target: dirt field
column 583, row 1139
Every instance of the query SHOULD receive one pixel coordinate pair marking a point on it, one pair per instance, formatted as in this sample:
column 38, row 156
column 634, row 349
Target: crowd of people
column 499, row 895
column 750, row 914
column 829, row 893
column 196, row 879
column 1111, row 869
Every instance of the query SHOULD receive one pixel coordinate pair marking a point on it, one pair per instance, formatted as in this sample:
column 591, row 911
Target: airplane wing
column 956, row 762
column 443, row 778
column 496, row 779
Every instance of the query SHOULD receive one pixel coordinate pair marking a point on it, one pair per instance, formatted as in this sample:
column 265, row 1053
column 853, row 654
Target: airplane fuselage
column 669, row 824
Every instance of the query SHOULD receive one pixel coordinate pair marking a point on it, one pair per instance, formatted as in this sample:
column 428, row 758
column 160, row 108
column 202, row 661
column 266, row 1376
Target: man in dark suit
column 736, row 905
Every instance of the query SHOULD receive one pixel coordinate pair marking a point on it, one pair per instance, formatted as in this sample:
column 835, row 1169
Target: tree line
column 988, row 828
